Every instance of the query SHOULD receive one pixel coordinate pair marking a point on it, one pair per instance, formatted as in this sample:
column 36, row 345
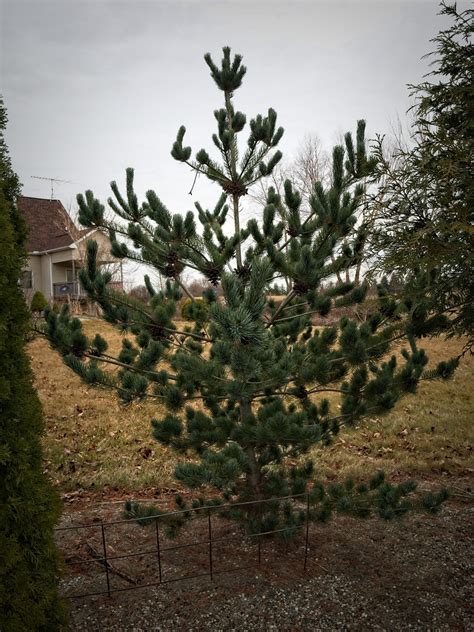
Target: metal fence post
column 307, row 532
column 210, row 541
column 158, row 548
column 106, row 564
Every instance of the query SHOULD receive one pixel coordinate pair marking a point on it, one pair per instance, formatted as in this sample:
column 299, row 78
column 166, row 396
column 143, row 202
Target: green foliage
column 197, row 310
column 29, row 509
column 246, row 387
column 426, row 196
column 38, row 302
column 376, row 497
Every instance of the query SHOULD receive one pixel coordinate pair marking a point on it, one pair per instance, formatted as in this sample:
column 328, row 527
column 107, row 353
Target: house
column 57, row 251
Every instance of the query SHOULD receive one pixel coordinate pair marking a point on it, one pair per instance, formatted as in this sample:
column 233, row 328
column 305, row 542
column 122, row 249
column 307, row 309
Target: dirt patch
column 361, row 575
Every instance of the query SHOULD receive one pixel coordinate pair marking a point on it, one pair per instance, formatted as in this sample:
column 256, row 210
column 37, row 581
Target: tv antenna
column 52, row 181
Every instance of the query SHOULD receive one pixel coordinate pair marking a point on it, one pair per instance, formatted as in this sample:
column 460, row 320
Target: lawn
column 93, row 442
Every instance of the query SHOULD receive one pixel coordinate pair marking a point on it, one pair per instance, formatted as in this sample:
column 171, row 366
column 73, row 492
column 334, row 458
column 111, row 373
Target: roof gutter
column 46, row 252
column 87, row 235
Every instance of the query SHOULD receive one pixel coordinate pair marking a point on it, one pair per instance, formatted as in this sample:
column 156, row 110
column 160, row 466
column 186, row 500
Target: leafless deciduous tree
column 312, row 165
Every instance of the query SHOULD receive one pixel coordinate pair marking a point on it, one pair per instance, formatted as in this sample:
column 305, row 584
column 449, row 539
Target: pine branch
column 290, row 296
column 183, row 287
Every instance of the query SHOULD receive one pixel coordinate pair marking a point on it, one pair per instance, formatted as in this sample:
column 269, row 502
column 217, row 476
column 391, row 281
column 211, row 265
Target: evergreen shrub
column 29, row 508
column 195, row 310
column 38, row 302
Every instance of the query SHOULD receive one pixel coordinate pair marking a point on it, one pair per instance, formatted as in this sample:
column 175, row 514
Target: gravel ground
column 410, row 575
column 333, row 603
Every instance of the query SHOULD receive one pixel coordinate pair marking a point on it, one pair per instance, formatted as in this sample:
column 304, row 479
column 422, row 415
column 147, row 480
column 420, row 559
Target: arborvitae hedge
column 29, row 508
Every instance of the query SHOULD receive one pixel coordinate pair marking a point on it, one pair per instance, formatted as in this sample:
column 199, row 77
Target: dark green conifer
column 425, row 211
column 247, row 385
column 29, row 509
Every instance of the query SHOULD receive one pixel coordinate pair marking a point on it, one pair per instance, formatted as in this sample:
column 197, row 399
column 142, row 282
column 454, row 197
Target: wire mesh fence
column 121, row 555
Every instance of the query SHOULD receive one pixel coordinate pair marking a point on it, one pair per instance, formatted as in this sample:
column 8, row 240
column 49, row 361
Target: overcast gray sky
column 93, row 87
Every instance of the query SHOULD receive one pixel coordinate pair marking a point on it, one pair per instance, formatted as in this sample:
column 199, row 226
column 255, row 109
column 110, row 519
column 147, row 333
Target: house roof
column 49, row 224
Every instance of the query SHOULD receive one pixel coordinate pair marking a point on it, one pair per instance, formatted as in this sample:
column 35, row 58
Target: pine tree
column 247, row 385
column 29, row 566
column 426, row 201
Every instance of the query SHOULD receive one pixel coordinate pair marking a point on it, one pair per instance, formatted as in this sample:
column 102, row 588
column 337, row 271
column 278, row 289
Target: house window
column 26, row 280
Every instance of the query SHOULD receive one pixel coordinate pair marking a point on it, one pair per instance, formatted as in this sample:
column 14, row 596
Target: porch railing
column 68, row 288
column 75, row 290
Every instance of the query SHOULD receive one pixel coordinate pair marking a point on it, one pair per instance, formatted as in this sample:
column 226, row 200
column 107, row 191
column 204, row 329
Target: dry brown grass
column 94, row 442
column 429, row 432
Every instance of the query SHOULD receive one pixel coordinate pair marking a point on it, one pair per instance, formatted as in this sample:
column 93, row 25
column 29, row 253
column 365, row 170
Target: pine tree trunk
column 253, row 473
column 233, row 168
column 235, row 202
